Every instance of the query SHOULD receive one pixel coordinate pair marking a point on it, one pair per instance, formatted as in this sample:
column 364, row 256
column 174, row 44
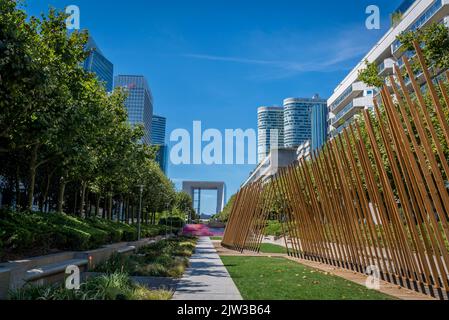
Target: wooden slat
column 376, row 195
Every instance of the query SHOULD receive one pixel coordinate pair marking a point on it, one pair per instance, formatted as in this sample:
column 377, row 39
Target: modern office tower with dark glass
column 269, row 119
column 139, row 102
column 320, row 117
column 298, row 119
column 97, row 63
column 158, row 131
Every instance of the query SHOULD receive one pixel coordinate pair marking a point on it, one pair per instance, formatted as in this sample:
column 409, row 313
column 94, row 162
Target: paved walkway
column 207, row 277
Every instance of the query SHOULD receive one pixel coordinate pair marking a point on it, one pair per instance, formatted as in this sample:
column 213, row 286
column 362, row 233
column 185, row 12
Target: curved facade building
column 268, row 119
column 298, row 119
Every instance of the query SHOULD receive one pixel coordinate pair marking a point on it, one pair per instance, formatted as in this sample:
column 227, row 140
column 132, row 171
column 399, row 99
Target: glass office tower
column 319, row 125
column 268, row 119
column 97, row 63
column 298, row 120
column 139, row 102
column 158, row 130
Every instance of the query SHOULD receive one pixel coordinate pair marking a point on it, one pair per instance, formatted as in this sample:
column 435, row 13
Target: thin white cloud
column 286, row 49
column 274, row 63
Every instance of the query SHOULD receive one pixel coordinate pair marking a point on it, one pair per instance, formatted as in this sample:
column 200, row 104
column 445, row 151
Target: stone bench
column 50, row 270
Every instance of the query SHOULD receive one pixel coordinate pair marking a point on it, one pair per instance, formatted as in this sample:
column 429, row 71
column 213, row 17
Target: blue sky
column 217, row 61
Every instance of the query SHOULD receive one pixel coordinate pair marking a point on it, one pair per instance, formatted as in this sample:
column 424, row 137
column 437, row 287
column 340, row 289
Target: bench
column 53, row 269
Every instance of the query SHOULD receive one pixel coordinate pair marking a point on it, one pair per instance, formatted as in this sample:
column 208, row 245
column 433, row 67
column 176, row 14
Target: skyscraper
column 97, row 63
column 158, row 130
column 139, row 102
column 158, row 127
column 268, row 119
column 298, row 119
column 319, row 125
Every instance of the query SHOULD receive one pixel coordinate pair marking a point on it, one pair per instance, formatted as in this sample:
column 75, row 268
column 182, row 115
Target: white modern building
column 276, row 159
column 304, row 150
column 351, row 95
column 269, row 121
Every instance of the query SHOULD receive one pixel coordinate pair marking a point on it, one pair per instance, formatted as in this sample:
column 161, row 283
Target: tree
column 62, row 136
column 370, row 75
column 435, row 41
column 225, row 214
column 184, row 204
column 396, row 18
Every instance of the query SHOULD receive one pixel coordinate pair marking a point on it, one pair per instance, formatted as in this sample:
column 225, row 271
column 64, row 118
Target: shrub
column 142, row 293
column 166, row 258
column 116, row 286
column 129, row 235
column 116, row 263
column 73, row 239
column 25, row 234
column 273, row 228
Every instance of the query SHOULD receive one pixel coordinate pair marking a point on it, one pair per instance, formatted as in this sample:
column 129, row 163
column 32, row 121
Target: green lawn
column 272, row 248
column 264, row 278
column 216, row 238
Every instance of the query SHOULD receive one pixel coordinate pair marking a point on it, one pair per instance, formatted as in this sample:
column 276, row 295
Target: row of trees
column 65, row 143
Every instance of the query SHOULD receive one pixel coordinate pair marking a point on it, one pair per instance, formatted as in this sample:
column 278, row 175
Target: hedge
column 27, row 234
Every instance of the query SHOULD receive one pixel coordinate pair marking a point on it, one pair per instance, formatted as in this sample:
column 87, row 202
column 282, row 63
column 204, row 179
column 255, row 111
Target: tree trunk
column 120, row 209
column 97, row 205
column 46, row 189
column 62, row 184
column 89, row 205
column 75, row 202
column 110, row 207
column 18, row 193
column 83, row 196
column 32, row 176
column 132, row 214
column 127, row 210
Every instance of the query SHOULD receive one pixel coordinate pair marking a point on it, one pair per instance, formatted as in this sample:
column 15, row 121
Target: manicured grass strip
column 264, row 278
column 216, row 238
column 272, row 248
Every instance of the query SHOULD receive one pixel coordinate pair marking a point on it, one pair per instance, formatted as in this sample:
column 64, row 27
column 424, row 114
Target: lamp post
column 166, row 222
column 171, row 222
column 139, row 214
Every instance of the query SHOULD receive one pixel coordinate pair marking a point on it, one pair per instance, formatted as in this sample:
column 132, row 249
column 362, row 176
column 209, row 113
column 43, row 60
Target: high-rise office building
column 298, row 119
column 158, row 130
column 352, row 95
column 97, row 63
column 319, row 125
column 268, row 120
column 139, row 102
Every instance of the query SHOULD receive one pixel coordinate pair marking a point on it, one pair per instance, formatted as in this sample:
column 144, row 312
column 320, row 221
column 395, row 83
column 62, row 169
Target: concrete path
column 207, row 277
